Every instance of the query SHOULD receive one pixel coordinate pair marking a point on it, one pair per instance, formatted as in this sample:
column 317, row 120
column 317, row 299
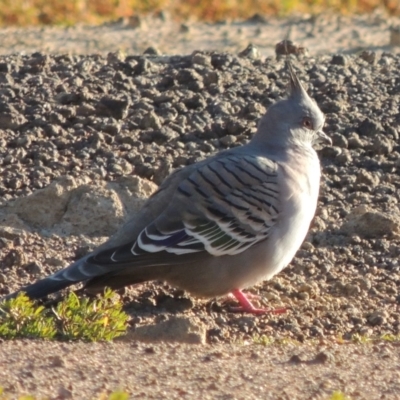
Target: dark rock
column 368, row 56
column 369, row 127
column 339, row 59
column 112, row 107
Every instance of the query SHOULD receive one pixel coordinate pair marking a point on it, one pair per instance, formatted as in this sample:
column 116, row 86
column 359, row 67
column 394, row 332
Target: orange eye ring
column 307, row 123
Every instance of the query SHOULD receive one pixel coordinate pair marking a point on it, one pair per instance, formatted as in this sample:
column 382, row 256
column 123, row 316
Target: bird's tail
column 71, row 275
column 96, row 277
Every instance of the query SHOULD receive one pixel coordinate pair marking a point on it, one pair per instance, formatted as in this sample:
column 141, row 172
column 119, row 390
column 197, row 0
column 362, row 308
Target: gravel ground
column 166, row 371
column 321, row 34
column 83, row 134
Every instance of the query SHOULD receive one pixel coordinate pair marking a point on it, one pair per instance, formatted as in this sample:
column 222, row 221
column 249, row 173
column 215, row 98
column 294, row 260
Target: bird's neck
column 263, row 141
column 263, row 144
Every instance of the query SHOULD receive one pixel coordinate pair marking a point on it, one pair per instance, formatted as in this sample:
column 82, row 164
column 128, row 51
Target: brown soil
column 172, row 371
column 215, row 371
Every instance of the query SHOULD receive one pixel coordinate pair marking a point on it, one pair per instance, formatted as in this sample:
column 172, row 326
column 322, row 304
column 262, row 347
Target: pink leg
column 247, row 307
column 249, row 296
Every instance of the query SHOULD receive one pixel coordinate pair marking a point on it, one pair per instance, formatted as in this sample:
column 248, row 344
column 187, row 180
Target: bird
column 223, row 224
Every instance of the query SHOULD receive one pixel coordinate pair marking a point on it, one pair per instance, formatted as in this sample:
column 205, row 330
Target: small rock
column 57, row 361
column 258, row 18
column 34, row 268
column 184, row 28
column 394, row 36
column 339, row 59
column 64, row 393
column 115, row 57
column 303, row 296
column 5, row 67
column 367, row 178
column 150, row 120
column 153, row 51
column 331, row 151
column 44, row 208
column 339, row 140
column 14, row 258
column 66, row 98
column 250, row 52
column 305, row 288
column 352, row 290
column 296, row 359
column 354, row 141
column 160, row 136
column 92, row 210
column 228, row 140
column 10, row 233
column 316, row 331
column 392, row 132
column 115, row 108
column 308, row 246
column 201, row 59
column 134, row 22
column 55, row 262
column 369, row 56
column 286, row 47
column 345, row 157
column 172, row 304
column 150, row 350
column 382, row 145
column 377, row 318
column 23, row 141
column 324, row 357
column 370, row 127
column 371, row 224
column 175, row 329
column 10, row 118
column 271, row 296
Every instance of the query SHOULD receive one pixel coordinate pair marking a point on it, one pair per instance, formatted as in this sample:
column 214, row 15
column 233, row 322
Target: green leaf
column 73, row 318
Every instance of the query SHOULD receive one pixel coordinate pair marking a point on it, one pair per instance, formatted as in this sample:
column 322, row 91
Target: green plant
column 388, row 337
column 364, row 339
column 338, row 395
column 4, row 396
column 100, row 319
column 263, row 340
column 22, row 318
column 72, row 318
column 118, row 395
column 361, row 339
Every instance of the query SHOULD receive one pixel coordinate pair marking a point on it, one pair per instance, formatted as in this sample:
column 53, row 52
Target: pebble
column 174, row 330
column 324, row 357
column 92, row 122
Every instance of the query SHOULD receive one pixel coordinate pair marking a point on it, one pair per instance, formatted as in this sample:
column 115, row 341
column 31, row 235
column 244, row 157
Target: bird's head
column 296, row 119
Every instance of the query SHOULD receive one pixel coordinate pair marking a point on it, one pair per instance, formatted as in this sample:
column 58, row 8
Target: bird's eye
column 307, row 123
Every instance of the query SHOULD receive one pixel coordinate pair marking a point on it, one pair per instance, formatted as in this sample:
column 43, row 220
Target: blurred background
column 69, row 12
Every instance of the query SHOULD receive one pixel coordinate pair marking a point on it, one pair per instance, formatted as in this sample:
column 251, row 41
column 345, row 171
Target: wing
column 221, row 208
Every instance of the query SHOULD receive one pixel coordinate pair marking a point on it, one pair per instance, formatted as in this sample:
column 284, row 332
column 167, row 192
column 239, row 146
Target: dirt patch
column 81, row 136
column 177, row 371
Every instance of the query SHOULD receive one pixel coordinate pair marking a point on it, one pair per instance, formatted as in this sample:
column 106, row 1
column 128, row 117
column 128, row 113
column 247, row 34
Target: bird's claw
column 247, row 307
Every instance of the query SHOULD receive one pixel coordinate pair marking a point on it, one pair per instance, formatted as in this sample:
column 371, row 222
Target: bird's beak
column 322, row 138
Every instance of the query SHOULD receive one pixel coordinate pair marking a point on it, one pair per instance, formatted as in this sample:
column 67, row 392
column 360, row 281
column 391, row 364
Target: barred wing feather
column 223, row 208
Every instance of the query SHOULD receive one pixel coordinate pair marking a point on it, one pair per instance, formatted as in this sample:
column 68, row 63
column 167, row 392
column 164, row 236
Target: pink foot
column 249, row 296
column 247, row 307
